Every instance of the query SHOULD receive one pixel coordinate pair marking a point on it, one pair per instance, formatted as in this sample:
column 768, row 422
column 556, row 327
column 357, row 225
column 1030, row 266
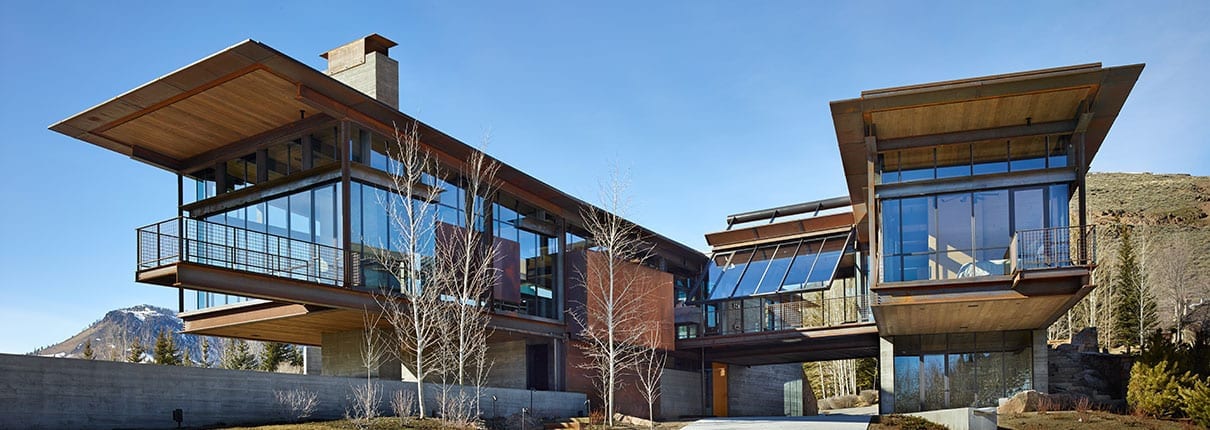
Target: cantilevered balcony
column 206, row 256
column 218, row 245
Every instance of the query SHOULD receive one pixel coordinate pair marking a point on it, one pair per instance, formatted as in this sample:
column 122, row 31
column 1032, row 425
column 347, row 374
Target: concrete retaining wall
column 680, row 394
column 771, row 390
column 55, row 393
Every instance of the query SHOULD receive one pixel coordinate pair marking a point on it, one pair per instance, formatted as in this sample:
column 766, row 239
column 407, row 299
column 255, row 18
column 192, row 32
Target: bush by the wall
column 1155, row 390
column 1197, row 401
column 869, row 397
column 909, row 422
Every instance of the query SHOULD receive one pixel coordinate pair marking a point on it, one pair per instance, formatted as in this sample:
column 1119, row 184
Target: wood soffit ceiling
column 249, row 89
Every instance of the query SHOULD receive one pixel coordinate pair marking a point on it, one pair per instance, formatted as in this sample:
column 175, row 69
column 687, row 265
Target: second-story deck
column 1044, row 272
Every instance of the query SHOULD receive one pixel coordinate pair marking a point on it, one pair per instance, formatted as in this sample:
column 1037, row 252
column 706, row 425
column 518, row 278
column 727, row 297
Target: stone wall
column 58, row 393
column 1078, row 369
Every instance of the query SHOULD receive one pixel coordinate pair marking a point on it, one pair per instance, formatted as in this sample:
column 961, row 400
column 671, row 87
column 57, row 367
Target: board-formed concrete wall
column 770, row 390
column 58, row 393
column 680, row 394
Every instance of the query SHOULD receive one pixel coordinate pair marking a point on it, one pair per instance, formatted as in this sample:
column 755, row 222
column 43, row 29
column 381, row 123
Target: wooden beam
column 967, row 136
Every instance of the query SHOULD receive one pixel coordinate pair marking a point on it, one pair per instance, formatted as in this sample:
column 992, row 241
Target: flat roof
column 250, row 89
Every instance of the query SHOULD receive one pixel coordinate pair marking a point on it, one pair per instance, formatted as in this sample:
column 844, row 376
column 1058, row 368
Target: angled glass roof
column 796, row 265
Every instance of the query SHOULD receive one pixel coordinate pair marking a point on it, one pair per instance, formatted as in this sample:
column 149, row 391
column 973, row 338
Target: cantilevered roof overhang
column 1076, row 99
column 186, row 119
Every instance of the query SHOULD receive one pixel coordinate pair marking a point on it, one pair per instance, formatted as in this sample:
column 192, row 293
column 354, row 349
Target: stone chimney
column 363, row 64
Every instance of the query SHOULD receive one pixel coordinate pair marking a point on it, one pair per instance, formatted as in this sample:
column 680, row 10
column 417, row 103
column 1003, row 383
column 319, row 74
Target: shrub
column 1155, row 391
column 1197, row 401
column 842, row 401
column 869, row 397
column 298, row 403
column 908, row 422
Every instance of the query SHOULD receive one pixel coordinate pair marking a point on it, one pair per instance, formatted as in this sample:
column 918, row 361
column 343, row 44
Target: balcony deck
column 1051, row 270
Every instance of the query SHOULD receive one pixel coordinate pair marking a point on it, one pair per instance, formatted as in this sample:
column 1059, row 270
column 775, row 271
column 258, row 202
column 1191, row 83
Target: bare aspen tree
column 613, row 317
column 1173, row 276
column 466, row 256
column 414, row 311
column 366, row 398
column 649, row 367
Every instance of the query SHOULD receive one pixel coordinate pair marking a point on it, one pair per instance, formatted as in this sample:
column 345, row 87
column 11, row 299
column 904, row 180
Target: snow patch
column 141, row 313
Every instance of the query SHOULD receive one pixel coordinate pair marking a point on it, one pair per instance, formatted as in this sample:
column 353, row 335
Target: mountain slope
column 113, row 334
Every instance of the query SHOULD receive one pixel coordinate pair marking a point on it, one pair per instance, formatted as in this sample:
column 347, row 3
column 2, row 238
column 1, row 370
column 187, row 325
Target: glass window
column 800, row 269
column 279, row 218
column 992, row 232
column 778, row 266
column 323, row 146
column 1059, row 148
column 889, row 167
column 327, row 231
column 907, row 383
column 755, row 272
column 1028, row 209
column 1027, row 153
column 960, row 366
column 990, row 157
column 918, row 226
column 954, row 258
column 932, row 381
column 825, row 267
column 729, row 278
column 300, row 216
column 916, row 164
column 953, row 161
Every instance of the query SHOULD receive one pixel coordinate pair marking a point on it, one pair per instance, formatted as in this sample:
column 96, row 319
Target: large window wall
column 965, row 234
column 955, row 370
column 284, row 157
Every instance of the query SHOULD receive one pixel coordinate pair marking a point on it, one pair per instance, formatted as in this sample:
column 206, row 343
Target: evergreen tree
column 88, row 354
column 135, row 355
column 1135, row 311
column 296, row 356
column 237, row 356
column 186, row 360
column 166, row 351
column 205, row 352
column 273, row 355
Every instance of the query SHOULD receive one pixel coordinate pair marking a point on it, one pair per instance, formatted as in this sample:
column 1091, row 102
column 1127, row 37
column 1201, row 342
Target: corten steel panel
column 825, row 223
column 508, row 261
column 653, row 290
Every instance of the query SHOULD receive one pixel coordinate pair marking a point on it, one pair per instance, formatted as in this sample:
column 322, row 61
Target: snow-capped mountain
column 113, row 334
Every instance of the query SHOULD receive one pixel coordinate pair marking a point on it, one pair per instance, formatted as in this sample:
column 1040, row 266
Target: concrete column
column 312, row 360
column 886, row 375
column 1041, row 362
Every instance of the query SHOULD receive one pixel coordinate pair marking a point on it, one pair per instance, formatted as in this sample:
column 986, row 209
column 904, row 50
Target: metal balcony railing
column 758, row 315
column 1049, row 248
column 219, row 245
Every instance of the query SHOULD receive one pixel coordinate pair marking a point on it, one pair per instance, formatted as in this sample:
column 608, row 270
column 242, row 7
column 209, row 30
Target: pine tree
column 165, row 350
column 88, row 354
column 1136, row 310
column 238, row 356
column 273, row 355
column 296, row 356
column 136, row 351
column 186, row 360
column 205, row 352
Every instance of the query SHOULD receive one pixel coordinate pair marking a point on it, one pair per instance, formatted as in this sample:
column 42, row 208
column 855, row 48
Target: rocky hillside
column 1160, row 209
column 113, row 334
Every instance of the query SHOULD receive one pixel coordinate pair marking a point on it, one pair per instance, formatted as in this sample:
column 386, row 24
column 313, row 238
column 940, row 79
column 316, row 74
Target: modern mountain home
column 962, row 237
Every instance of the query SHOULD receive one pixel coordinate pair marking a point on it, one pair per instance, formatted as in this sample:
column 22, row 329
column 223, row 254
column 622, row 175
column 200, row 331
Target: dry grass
column 1090, row 420
column 392, row 423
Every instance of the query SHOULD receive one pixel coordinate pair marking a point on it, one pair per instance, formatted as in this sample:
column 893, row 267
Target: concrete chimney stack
column 363, row 64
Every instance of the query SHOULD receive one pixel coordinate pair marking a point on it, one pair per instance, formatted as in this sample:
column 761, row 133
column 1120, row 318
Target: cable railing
column 1057, row 247
column 759, row 315
column 191, row 240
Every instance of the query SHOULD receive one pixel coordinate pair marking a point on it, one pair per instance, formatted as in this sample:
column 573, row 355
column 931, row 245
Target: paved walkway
column 819, row 422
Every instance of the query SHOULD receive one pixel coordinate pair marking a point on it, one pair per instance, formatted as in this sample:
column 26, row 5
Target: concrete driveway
column 818, row 422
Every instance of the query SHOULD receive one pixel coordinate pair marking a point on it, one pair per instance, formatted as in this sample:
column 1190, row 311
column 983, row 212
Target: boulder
column 1025, row 401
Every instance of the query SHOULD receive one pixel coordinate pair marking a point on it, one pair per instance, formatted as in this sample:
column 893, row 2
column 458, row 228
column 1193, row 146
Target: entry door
column 719, row 384
column 537, row 367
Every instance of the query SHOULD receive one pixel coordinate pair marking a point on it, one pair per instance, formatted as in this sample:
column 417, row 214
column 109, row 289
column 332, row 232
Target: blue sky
column 715, row 107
